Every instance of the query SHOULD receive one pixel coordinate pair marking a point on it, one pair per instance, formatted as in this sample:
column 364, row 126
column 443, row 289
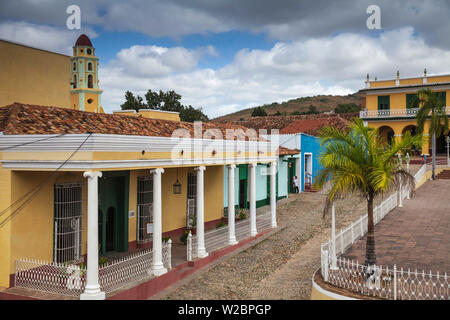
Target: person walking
column 295, row 183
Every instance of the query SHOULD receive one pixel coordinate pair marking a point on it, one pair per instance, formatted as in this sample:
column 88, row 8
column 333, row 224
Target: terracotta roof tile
column 309, row 124
column 20, row 119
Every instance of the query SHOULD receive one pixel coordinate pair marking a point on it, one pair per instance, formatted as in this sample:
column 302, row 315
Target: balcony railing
column 392, row 113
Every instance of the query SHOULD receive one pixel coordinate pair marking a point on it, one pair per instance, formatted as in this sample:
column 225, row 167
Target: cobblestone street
column 281, row 266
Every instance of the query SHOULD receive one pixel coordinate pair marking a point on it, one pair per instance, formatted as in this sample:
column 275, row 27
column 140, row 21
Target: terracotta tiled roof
column 282, row 151
column 83, row 40
column 20, row 119
column 313, row 126
column 309, row 124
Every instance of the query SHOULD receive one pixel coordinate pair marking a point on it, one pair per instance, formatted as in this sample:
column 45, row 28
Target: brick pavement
column 415, row 236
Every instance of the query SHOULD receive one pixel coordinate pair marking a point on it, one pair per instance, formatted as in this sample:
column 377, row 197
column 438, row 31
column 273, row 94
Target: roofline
column 405, row 86
column 409, row 78
column 28, row 46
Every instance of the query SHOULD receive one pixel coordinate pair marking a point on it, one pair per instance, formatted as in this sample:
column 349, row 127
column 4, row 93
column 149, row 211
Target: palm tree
column 356, row 160
column 429, row 102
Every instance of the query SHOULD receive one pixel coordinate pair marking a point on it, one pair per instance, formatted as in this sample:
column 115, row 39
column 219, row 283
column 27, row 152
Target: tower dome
column 83, row 40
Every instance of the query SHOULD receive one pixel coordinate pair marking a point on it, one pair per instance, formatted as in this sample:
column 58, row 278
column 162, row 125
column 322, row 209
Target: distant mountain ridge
column 323, row 103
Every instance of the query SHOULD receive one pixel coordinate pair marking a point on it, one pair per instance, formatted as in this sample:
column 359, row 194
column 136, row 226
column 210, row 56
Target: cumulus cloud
column 155, row 61
column 335, row 65
column 42, row 36
column 281, row 20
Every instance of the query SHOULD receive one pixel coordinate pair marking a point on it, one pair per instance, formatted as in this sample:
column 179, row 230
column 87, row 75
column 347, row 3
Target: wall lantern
column 177, row 186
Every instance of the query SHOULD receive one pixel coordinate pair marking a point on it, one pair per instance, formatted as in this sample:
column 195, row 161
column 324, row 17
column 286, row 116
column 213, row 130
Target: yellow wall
column 397, row 100
column 33, row 76
column 377, row 84
column 155, row 114
column 5, row 231
column 30, row 234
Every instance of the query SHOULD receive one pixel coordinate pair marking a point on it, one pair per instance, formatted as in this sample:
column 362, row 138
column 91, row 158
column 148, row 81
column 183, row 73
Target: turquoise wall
column 282, row 177
column 261, row 182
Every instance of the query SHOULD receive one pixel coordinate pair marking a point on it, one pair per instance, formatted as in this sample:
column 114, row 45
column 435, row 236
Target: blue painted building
column 306, row 165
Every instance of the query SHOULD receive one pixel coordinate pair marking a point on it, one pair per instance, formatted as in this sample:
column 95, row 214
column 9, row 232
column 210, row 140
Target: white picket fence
column 218, row 238
column 70, row 279
column 378, row 281
column 387, row 283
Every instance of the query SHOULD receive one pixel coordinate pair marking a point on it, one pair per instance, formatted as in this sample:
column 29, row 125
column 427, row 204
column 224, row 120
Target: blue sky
column 226, row 55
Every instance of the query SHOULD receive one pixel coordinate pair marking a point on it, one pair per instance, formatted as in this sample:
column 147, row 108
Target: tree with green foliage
column 356, row 160
column 312, row 110
column 164, row 101
column 132, row 102
column 432, row 107
column 347, row 107
column 259, row 112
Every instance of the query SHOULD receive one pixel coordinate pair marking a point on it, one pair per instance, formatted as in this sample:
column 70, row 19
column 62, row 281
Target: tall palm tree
column 432, row 108
column 356, row 160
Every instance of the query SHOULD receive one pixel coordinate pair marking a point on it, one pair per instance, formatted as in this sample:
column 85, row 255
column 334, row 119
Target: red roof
column 309, row 124
column 18, row 119
column 83, row 40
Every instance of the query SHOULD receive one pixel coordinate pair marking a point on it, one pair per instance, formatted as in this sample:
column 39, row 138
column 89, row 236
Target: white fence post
column 395, row 282
column 189, row 247
column 169, row 253
column 325, row 265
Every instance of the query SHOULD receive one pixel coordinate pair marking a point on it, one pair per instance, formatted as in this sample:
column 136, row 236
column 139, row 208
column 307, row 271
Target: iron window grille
column 191, row 208
column 145, row 208
column 68, row 222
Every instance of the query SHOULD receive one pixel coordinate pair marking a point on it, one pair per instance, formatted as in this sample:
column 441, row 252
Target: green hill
column 323, row 103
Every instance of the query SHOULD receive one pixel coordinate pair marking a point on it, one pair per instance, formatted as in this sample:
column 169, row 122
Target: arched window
column 89, row 66
column 90, row 85
column 74, row 81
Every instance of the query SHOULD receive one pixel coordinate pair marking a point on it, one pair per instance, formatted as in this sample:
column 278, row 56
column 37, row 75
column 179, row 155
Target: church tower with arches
column 85, row 91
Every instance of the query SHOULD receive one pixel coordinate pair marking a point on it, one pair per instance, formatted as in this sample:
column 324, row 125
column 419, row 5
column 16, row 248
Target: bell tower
column 85, row 92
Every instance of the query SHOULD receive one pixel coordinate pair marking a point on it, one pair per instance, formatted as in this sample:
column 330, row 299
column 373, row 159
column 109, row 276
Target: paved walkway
column 415, row 236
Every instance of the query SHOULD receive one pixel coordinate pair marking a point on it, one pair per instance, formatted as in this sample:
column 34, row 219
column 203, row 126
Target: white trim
column 109, row 164
column 304, row 159
column 123, row 143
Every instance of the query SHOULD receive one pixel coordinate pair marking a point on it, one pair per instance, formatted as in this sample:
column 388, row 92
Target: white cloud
column 335, row 65
column 42, row 36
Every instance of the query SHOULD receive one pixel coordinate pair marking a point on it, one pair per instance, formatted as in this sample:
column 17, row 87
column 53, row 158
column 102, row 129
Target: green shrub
column 184, row 236
column 220, row 224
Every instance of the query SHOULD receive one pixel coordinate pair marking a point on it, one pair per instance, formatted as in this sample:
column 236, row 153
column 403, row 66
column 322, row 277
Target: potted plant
column 184, row 236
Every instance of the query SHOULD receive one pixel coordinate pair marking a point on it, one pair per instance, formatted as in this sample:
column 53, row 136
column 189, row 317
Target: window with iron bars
column 191, row 201
column 145, row 208
column 68, row 212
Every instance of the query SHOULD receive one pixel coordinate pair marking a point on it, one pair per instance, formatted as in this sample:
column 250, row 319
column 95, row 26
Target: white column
column 400, row 196
column 158, row 266
column 253, row 231
column 92, row 290
column 201, row 251
column 333, row 239
column 273, row 193
column 231, row 229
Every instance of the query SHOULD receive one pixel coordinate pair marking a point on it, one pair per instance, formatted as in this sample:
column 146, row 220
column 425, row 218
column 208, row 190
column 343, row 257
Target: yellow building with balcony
column 389, row 106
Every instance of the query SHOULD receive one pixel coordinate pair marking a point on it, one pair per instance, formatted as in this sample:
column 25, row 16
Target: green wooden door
column 113, row 211
column 243, row 185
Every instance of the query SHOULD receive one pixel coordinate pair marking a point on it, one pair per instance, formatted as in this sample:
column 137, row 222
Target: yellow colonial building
column 80, row 186
column 389, row 106
column 35, row 76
